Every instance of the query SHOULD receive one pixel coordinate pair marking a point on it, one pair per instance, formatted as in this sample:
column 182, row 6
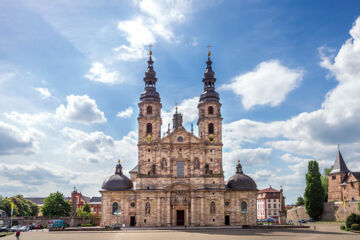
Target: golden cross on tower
column 119, row 161
column 150, row 46
column 209, row 53
column 176, row 107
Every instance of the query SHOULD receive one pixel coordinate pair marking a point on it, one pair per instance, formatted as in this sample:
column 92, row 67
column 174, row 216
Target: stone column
column 159, row 212
column 202, row 211
column 192, row 223
column 168, row 217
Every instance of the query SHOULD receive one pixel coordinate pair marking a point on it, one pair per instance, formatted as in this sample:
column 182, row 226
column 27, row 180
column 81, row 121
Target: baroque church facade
column 179, row 178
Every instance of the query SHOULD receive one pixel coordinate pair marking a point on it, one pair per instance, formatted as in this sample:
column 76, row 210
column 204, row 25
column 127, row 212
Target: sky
column 71, row 74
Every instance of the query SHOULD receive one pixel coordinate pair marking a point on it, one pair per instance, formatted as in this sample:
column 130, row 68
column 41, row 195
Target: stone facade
column 179, row 178
column 343, row 185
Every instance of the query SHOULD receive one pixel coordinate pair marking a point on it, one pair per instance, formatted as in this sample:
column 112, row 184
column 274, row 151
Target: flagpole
column 12, row 210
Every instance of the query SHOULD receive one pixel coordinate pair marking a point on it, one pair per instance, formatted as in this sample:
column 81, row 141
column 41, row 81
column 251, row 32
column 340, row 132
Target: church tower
column 149, row 120
column 210, row 122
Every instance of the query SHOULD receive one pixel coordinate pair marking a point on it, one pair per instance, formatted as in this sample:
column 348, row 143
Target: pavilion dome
column 118, row 181
column 241, row 181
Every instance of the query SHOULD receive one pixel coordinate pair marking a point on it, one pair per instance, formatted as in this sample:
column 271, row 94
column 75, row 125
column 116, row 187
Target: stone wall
column 44, row 220
column 333, row 211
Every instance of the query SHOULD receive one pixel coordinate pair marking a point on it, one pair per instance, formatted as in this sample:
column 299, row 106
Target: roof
column 339, row 165
column 95, row 200
column 268, row 190
column 135, row 169
column 356, row 175
column 86, row 199
column 118, row 181
column 37, row 200
column 241, row 181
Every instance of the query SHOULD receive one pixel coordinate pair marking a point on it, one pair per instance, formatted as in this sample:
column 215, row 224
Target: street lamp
column 117, row 213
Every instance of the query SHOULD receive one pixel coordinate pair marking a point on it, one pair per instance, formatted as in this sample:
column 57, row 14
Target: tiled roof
column 268, row 190
column 134, row 170
column 95, row 199
column 339, row 165
column 356, row 175
column 37, row 200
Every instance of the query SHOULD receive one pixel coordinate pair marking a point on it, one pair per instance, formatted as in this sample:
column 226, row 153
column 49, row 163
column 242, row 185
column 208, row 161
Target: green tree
column 325, row 183
column 56, row 206
column 5, row 205
column 86, row 208
column 314, row 192
column 300, row 201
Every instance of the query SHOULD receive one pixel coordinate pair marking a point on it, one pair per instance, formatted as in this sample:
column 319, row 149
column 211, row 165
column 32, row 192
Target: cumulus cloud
column 127, row 113
column 267, row 84
column 99, row 73
column 155, row 20
column 45, row 93
column 188, row 107
column 80, row 109
column 16, row 141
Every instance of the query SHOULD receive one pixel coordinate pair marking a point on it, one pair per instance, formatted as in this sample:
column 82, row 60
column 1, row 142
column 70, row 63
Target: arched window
column 196, row 164
column 211, row 128
column 210, row 110
column 149, row 110
column 147, row 208
column 212, row 208
column 163, row 164
column 153, row 168
column 207, row 168
column 115, row 208
column 148, row 128
column 243, row 207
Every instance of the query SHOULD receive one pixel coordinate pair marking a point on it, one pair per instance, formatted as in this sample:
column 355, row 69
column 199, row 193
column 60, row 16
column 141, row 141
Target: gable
column 180, row 136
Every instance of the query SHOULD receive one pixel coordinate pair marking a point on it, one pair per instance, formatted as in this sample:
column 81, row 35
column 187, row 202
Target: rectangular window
column 180, row 169
column 333, row 177
column 269, row 205
column 274, row 205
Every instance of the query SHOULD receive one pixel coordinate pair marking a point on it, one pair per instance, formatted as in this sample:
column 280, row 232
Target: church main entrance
column 180, row 217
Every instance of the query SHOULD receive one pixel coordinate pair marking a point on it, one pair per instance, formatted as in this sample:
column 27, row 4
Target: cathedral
column 179, row 178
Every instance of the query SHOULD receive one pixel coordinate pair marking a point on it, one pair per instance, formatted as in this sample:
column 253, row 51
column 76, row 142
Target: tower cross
column 150, row 46
column 208, row 46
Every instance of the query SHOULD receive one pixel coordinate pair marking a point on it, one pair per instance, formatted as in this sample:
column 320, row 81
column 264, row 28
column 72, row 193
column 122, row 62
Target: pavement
column 327, row 231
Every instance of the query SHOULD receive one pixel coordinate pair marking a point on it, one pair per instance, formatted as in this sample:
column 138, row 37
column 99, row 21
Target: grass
column 3, row 234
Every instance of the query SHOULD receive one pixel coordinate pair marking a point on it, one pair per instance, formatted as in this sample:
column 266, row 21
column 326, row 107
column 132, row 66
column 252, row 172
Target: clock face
column 211, row 138
column 148, row 139
column 180, row 139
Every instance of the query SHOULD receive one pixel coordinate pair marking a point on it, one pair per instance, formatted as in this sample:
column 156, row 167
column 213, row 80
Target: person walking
column 17, row 234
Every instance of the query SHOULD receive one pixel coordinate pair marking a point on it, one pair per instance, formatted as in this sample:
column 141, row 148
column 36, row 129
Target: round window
column 227, row 203
column 132, row 204
column 180, row 139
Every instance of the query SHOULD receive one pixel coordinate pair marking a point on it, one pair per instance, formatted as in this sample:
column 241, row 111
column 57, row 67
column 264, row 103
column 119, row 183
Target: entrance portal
column 132, row 221
column 180, row 218
column 227, row 220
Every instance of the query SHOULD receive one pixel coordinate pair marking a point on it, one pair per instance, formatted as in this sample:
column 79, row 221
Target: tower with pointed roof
column 343, row 185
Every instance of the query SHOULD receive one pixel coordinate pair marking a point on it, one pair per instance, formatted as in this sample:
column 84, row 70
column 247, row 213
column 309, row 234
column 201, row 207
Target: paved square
column 323, row 231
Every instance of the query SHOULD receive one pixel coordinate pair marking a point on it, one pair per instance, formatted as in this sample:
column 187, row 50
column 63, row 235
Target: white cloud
column 45, row 93
column 156, row 19
column 80, row 109
column 99, row 73
column 127, row 113
column 187, row 107
column 267, row 84
column 16, row 141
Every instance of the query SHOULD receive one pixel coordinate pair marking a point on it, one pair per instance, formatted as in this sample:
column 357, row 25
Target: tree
column 314, row 192
column 300, row 201
column 5, row 205
column 56, row 206
column 86, row 208
column 325, row 183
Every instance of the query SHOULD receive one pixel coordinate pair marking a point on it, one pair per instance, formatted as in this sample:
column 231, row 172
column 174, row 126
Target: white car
column 24, row 229
column 15, row 228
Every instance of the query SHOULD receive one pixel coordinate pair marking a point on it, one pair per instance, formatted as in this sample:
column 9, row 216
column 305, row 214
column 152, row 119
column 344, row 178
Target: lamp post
column 117, row 213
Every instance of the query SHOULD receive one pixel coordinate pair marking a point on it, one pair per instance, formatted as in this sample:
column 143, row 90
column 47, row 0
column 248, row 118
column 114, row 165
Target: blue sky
column 71, row 73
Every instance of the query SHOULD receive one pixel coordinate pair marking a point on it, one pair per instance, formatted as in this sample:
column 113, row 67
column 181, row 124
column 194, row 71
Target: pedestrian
column 17, row 234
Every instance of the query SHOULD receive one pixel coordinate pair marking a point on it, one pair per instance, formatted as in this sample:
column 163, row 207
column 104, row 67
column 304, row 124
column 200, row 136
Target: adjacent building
column 343, row 185
column 269, row 203
column 179, row 178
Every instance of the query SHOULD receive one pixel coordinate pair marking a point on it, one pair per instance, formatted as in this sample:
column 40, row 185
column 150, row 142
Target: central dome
column 118, row 181
column 241, row 181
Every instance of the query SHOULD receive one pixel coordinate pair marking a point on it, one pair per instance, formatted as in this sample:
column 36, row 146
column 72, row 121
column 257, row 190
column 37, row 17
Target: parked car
column 15, row 228
column 36, row 226
column 56, row 224
column 310, row 220
column 272, row 220
column 302, row 221
column 24, row 229
column 4, row 229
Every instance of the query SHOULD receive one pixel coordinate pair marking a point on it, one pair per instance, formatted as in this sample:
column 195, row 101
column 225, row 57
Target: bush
column 355, row 226
column 352, row 218
column 342, row 227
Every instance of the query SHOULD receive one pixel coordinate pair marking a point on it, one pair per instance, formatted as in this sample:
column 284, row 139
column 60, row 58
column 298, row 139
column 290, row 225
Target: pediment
column 180, row 135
